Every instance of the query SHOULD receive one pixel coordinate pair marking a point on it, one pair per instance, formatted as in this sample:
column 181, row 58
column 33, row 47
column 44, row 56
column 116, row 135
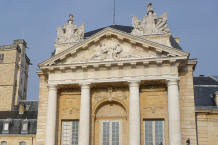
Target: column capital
column 52, row 86
column 134, row 83
column 85, row 85
column 172, row 82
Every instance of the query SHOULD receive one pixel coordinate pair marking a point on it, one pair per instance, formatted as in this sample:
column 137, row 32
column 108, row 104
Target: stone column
column 134, row 114
column 174, row 113
column 216, row 98
column 51, row 115
column 84, row 123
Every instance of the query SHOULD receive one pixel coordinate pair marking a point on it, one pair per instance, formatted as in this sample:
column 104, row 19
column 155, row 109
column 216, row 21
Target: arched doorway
column 111, row 126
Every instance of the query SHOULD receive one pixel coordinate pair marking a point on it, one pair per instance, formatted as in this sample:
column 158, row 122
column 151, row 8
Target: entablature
column 111, row 80
column 120, row 63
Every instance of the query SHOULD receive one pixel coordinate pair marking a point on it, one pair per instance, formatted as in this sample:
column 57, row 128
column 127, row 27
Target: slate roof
column 204, row 89
column 204, row 96
column 30, row 105
column 127, row 29
column 215, row 77
column 16, row 115
column 16, row 125
column 30, row 114
column 16, row 121
column 205, row 80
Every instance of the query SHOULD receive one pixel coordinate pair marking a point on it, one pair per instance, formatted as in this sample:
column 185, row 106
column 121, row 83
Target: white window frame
column 25, row 125
column 22, row 143
column 101, row 131
column 62, row 132
column 4, row 142
column 6, row 126
column 153, row 130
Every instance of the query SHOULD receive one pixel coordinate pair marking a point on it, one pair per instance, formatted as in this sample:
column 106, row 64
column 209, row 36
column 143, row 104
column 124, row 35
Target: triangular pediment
column 113, row 45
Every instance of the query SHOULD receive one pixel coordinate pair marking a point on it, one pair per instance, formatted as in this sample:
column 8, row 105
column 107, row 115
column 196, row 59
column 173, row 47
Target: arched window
column 22, row 143
column 3, row 143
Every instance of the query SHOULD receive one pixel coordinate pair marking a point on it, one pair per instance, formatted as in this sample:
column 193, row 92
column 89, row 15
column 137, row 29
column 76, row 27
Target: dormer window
column 24, row 128
column 1, row 57
column 6, row 126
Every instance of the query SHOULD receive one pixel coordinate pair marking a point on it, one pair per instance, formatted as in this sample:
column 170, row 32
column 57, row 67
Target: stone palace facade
column 122, row 85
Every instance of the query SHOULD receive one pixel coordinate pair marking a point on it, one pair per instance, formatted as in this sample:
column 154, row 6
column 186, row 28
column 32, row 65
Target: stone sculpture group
column 150, row 24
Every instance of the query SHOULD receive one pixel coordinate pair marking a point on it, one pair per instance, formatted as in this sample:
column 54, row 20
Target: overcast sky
column 194, row 21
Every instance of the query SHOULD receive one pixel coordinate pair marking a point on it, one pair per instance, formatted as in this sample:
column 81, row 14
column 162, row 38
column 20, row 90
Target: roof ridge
column 124, row 28
column 213, row 78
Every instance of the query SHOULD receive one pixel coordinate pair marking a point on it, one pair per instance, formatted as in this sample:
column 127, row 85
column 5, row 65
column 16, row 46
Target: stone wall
column 7, row 79
column 16, row 139
column 207, row 128
column 68, row 108
column 153, row 105
column 42, row 110
column 187, row 105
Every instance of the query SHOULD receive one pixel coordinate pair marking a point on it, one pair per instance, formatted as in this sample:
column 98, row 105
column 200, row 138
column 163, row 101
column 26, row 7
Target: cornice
column 110, row 32
column 113, row 79
column 207, row 109
column 131, row 62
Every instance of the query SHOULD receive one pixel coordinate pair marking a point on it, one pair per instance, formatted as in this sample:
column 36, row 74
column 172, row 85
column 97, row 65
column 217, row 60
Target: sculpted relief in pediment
column 110, row 49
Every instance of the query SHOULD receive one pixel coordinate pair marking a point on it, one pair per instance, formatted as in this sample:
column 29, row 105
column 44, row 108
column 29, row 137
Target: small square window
column 6, row 126
column 24, row 129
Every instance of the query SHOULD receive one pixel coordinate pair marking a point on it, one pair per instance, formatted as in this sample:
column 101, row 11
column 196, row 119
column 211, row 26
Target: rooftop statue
column 70, row 33
column 150, row 24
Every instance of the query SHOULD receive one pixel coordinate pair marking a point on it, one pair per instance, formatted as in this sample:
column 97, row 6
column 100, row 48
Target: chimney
column 21, row 109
